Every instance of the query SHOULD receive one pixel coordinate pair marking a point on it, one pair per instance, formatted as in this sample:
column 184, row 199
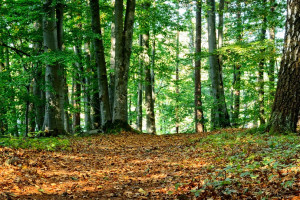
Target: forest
column 149, row 99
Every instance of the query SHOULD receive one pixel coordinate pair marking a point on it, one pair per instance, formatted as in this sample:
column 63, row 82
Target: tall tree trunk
column 77, row 81
column 149, row 104
column 106, row 117
column 286, row 105
column 237, row 73
column 177, row 75
column 53, row 123
column 39, row 93
column 3, row 120
column 95, row 105
column 139, row 123
column 123, row 53
column 96, row 114
column 67, row 121
column 38, row 84
column 261, row 83
column 199, row 126
column 220, row 28
column 272, row 59
column 177, row 83
column 60, row 40
column 152, row 70
column 112, row 62
column 31, row 110
column 220, row 116
column 87, row 88
column 150, row 116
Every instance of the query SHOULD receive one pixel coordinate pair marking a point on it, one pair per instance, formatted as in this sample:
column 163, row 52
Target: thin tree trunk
column 220, row 116
column 177, row 75
column 31, row 111
column 39, row 93
column 77, row 90
column 15, row 129
column 96, row 114
column 67, row 121
column 261, row 83
column 106, row 117
column 112, row 62
column 140, row 91
column 87, row 89
column 220, row 28
column 272, row 60
column 199, row 126
column 237, row 73
column 3, row 120
column 177, row 83
column 152, row 70
column 149, row 104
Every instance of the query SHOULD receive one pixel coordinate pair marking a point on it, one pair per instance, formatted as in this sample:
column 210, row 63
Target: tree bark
column 38, row 84
column 199, row 126
column 60, row 40
column 87, row 88
column 177, row 83
column 261, row 83
column 286, row 105
column 123, row 53
column 220, row 116
column 112, row 62
column 149, row 104
column 139, row 122
column 106, row 117
column 221, row 27
column 77, row 90
column 237, row 73
column 53, row 124
column 3, row 120
column 272, row 59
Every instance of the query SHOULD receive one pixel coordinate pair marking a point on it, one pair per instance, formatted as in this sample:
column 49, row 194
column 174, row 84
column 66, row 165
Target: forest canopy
column 153, row 65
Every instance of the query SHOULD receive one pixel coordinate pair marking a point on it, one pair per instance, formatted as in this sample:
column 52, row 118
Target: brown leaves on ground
column 125, row 166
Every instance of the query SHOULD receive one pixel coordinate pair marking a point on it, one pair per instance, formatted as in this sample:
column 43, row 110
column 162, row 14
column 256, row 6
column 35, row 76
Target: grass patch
column 48, row 144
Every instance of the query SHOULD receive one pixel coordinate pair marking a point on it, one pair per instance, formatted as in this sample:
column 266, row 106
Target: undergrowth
column 247, row 164
column 49, row 144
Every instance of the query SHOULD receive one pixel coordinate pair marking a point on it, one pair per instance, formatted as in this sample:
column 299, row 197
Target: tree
column 260, row 79
column 220, row 116
column 106, row 118
column 237, row 71
column 139, row 120
column 149, row 101
column 198, row 102
column 272, row 59
column 286, row 105
column 54, row 114
column 123, row 34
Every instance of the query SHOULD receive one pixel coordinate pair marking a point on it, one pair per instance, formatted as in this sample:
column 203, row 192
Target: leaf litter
column 225, row 164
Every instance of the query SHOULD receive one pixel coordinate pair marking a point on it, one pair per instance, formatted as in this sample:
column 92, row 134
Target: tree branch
column 18, row 51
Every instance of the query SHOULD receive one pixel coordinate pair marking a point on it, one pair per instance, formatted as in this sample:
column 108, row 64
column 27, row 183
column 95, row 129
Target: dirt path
column 103, row 167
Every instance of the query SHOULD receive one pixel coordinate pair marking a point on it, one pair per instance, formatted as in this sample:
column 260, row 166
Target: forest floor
column 226, row 164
